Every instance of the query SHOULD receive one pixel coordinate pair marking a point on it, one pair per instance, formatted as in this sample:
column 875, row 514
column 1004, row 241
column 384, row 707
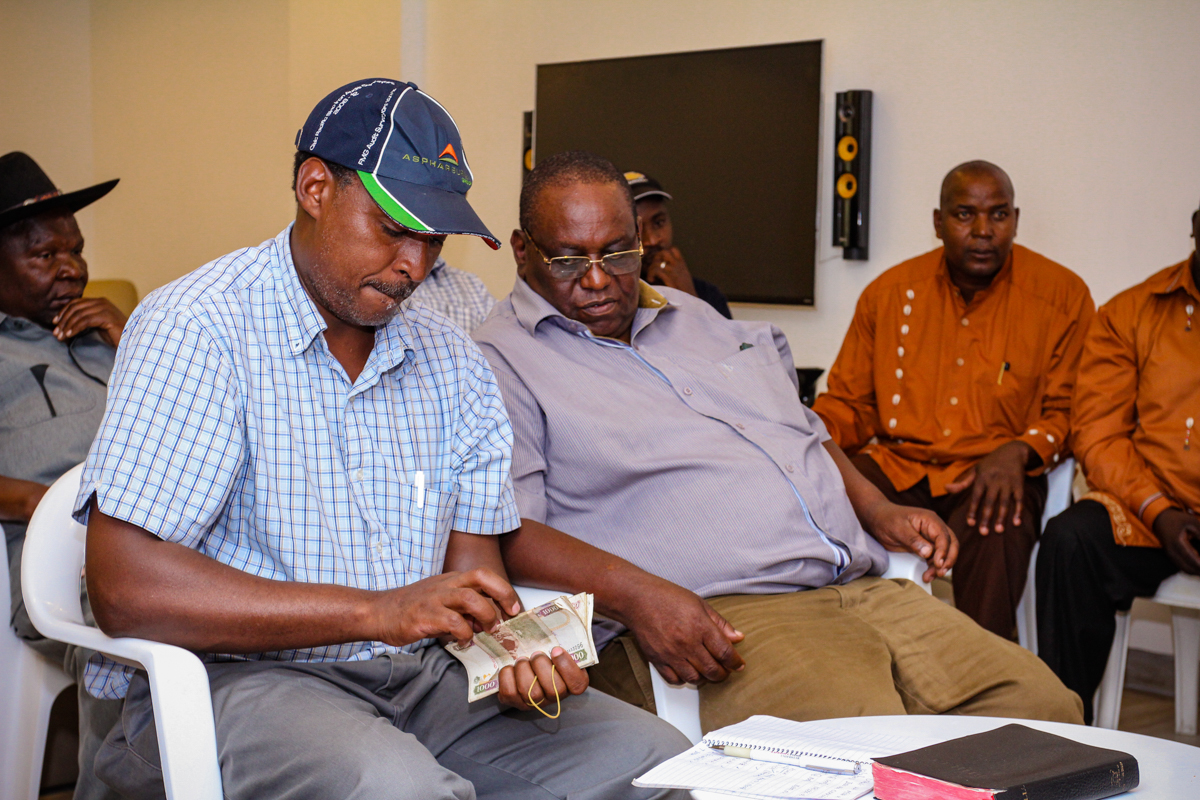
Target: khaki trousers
column 871, row 647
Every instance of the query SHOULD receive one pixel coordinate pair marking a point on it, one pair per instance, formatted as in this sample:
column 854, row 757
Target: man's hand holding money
column 567, row 677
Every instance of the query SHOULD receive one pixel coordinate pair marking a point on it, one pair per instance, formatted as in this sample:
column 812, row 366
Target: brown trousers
column 871, row 647
column 989, row 575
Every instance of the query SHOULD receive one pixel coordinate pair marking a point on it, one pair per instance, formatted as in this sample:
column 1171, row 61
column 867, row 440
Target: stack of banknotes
column 564, row 622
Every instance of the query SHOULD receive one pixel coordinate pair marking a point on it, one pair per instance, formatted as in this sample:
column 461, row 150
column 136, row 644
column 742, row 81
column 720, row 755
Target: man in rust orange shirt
column 953, row 386
column 1134, row 415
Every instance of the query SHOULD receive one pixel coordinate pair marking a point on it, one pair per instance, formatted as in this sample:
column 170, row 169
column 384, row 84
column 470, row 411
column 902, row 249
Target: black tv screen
column 732, row 134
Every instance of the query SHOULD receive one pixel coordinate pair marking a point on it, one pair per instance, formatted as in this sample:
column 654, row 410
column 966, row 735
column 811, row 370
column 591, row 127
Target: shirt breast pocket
column 1012, row 391
column 756, row 378
column 427, row 517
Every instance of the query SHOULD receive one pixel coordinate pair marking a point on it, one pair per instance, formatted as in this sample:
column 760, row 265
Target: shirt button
column 790, row 468
column 687, row 390
column 895, row 399
column 892, row 422
column 953, row 401
column 907, row 309
column 1033, row 431
column 358, row 474
column 946, row 432
column 1050, row 438
column 741, row 427
column 900, row 352
column 960, row 362
column 899, row 373
column 909, row 294
column 904, row 329
column 933, row 460
column 965, row 322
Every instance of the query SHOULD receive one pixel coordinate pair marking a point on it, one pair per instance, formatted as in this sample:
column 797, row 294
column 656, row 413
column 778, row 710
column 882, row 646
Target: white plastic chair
column 1182, row 594
column 1058, row 499
column 680, row 705
column 30, row 684
column 50, row 572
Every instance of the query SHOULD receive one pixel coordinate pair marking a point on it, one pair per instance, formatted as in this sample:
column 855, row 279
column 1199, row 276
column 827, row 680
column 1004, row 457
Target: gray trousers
column 397, row 726
column 96, row 717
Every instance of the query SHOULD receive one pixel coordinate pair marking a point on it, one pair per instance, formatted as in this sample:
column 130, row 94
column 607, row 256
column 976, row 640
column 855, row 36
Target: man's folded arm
column 18, row 498
column 140, row 585
column 1104, row 416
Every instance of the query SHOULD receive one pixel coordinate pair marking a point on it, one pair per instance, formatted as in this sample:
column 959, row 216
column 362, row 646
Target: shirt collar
column 304, row 322
column 531, row 308
column 1178, row 278
column 300, row 315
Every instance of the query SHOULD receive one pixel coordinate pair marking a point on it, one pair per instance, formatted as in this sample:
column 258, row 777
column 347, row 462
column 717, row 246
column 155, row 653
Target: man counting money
column 302, row 481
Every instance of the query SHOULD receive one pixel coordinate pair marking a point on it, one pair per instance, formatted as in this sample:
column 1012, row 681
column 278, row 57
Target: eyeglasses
column 568, row 268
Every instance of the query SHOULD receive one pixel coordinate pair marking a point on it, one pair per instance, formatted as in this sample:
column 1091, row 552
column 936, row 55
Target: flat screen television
column 732, row 134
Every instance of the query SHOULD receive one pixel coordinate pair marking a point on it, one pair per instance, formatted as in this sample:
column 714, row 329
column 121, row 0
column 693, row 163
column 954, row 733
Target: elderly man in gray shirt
column 663, row 461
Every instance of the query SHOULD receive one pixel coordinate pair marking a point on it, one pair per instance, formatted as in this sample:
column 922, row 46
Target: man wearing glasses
column 659, row 459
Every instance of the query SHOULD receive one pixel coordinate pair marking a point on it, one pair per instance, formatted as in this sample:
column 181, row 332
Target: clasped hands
column 457, row 605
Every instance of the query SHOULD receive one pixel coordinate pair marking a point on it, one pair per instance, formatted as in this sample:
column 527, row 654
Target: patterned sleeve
column 483, row 441
column 172, row 441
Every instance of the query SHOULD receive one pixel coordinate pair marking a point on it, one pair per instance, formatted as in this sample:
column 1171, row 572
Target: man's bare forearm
column 865, row 497
column 19, row 498
column 540, row 556
column 140, row 585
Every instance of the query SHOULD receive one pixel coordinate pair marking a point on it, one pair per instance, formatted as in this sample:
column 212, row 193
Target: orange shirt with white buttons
column 1137, row 402
column 927, row 384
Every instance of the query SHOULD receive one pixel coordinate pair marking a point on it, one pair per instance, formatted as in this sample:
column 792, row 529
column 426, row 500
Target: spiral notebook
column 706, row 767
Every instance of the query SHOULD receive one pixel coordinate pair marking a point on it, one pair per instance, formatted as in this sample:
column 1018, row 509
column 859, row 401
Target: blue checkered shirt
column 232, row 429
column 455, row 293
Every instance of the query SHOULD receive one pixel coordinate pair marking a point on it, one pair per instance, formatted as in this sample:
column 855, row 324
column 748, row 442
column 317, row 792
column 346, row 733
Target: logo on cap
column 634, row 178
column 448, row 155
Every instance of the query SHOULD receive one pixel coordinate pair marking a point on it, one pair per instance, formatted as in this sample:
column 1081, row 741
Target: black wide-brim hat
column 25, row 190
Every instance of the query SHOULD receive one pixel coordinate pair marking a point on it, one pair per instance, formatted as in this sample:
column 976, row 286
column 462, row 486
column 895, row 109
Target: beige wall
column 45, row 90
column 194, row 105
column 1091, row 107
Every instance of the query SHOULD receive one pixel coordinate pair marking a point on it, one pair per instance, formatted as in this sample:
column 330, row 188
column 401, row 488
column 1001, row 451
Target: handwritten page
column 708, row 769
column 787, row 737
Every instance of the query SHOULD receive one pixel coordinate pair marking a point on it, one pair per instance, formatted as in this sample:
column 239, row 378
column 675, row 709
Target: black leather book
column 1012, row 762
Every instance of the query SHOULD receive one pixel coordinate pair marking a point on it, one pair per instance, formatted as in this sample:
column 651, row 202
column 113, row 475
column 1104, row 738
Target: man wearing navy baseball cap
column 304, row 480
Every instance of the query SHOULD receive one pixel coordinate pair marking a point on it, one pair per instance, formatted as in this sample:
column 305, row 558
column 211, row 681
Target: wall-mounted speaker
column 852, row 173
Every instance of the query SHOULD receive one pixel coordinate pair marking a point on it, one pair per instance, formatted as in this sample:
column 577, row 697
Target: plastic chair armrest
column 183, row 714
column 907, row 566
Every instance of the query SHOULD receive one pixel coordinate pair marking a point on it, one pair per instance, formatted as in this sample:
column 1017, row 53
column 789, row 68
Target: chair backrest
column 52, row 563
column 122, row 293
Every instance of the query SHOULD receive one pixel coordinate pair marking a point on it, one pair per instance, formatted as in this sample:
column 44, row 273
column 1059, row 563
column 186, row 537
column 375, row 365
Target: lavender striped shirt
column 687, row 453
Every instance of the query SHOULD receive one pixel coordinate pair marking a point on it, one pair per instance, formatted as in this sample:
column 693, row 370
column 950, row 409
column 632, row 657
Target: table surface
column 1167, row 769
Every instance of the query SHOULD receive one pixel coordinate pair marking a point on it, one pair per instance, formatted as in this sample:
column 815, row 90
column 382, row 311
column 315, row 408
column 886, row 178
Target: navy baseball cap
column 406, row 150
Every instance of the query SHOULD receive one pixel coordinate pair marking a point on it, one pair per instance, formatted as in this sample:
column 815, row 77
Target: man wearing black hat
column 662, row 263
column 56, row 353
column 302, row 478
